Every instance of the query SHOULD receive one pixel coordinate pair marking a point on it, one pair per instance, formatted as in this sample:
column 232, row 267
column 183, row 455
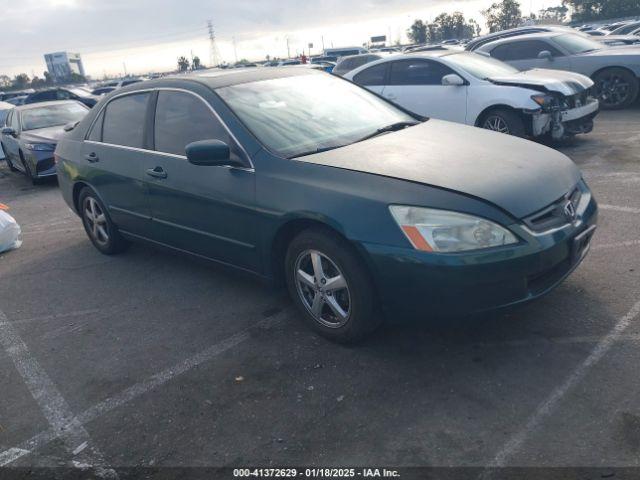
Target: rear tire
column 504, row 121
column 97, row 223
column 616, row 88
column 336, row 299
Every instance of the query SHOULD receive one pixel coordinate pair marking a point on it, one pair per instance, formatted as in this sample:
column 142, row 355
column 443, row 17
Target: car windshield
column 52, row 115
column 480, row 66
column 303, row 114
column 577, row 43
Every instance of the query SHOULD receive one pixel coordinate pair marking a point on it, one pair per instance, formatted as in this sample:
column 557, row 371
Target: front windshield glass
column 301, row 114
column 480, row 66
column 577, row 43
column 52, row 115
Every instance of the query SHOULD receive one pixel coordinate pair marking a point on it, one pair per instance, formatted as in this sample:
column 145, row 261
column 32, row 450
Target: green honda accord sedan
column 365, row 211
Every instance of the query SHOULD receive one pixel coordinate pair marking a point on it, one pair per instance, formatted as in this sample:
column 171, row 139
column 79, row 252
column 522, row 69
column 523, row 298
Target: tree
column 417, row 32
column 503, row 15
column 585, row 10
column 553, row 14
column 21, row 81
column 183, row 64
column 195, row 63
column 47, row 78
column 452, row 26
column 5, row 81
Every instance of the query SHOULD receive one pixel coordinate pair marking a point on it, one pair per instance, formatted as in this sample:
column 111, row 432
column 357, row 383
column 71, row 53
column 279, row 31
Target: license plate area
column 581, row 244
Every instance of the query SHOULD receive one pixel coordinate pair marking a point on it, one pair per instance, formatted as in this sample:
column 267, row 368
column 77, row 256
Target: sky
column 116, row 37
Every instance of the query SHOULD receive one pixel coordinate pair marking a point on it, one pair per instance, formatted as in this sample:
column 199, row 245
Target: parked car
column 626, row 29
column 350, row 62
column 344, row 51
column 31, row 133
column 465, row 87
column 4, row 111
column 290, row 61
column 19, row 100
column 615, row 71
column 358, row 205
column 121, row 83
column 520, row 31
column 4, row 96
column 63, row 93
column 323, row 58
column 102, row 90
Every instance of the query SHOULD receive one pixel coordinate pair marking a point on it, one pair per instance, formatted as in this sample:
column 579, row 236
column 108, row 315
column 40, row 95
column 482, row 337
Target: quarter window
column 372, row 76
column 96, row 131
column 124, row 120
column 182, row 118
column 417, row 72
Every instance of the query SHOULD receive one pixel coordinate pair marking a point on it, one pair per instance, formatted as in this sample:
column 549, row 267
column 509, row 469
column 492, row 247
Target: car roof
column 219, row 78
column 519, row 38
column 29, row 106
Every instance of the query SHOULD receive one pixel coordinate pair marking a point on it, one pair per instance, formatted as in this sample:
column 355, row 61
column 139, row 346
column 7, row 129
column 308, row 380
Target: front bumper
column 414, row 284
column 42, row 163
column 562, row 123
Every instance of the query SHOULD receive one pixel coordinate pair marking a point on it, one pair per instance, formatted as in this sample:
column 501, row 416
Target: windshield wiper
column 394, row 127
column 316, row 150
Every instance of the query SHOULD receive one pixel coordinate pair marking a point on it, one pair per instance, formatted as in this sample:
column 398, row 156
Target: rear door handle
column 157, row 172
column 91, row 157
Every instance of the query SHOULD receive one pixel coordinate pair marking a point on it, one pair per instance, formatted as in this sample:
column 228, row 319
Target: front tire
column 100, row 229
column 616, row 88
column 504, row 121
column 331, row 287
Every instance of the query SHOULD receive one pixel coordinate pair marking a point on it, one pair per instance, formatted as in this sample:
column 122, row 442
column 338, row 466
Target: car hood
column 517, row 175
column 566, row 83
column 632, row 51
column 45, row 135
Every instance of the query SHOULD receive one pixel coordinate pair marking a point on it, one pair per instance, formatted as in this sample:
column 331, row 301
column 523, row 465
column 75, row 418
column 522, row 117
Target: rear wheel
column 330, row 286
column 504, row 121
column 101, row 230
column 616, row 88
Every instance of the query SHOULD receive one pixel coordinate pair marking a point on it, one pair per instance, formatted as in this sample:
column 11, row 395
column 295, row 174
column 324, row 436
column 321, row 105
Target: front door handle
column 157, row 172
column 91, row 157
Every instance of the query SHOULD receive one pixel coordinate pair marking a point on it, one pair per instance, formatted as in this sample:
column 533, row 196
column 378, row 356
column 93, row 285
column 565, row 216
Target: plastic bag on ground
column 10, row 232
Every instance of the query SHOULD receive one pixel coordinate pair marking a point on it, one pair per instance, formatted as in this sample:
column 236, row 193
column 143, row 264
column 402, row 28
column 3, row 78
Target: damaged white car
column 465, row 87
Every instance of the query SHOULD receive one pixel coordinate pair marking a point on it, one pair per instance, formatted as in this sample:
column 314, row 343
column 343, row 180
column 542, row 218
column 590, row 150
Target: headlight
column 545, row 101
column 443, row 231
column 41, row 147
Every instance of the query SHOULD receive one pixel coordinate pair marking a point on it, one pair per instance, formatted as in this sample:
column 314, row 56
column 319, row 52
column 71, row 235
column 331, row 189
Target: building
column 62, row 64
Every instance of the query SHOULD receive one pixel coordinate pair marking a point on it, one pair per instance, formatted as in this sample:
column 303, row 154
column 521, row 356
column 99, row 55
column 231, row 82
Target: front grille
column 44, row 165
column 555, row 215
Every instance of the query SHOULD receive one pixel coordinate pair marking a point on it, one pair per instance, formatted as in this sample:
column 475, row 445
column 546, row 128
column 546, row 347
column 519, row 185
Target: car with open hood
column 31, row 133
column 468, row 88
column 362, row 208
column 615, row 70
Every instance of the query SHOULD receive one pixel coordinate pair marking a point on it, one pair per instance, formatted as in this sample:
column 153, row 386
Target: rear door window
column 124, row 120
column 372, row 76
column 182, row 118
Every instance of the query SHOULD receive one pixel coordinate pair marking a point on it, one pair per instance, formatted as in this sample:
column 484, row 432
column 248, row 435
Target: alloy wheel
column 96, row 221
column 613, row 90
column 496, row 123
column 322, row 289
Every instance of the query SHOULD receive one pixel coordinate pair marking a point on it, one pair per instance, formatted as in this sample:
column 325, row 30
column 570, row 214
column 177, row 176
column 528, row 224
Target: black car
column 63, row 93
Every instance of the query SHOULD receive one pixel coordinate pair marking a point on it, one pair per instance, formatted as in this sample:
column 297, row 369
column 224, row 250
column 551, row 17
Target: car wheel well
column 597, row 72
column 287, row 233
column 77, row 188
column 488, row 110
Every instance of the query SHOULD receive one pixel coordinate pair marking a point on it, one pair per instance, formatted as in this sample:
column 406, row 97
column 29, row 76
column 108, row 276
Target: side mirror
column 545, row 55
column 452, row 80
column 8, row 131
column 210, row 153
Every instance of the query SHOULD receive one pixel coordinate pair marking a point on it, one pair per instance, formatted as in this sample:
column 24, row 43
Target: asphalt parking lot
column 153, row 359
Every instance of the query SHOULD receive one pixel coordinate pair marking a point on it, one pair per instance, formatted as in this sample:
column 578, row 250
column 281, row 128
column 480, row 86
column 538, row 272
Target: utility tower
column 214, row 55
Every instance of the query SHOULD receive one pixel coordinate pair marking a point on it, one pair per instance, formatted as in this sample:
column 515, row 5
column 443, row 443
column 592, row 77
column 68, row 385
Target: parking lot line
column 546, row 408
column 618, row 208
column 54, row 407
column 131, row 393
